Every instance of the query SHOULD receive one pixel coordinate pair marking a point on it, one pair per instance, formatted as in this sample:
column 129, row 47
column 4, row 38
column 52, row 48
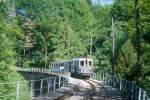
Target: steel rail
column 91, row 91
column 67, row 93
column 103, row 87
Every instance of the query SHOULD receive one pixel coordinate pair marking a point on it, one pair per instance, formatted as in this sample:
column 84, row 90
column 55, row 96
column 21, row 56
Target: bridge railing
column 132, row 91
column 40, row 70
column 12, row 91
column 27, row 90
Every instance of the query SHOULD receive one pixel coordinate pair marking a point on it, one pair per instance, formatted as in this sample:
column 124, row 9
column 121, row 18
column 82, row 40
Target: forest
column 33, row 33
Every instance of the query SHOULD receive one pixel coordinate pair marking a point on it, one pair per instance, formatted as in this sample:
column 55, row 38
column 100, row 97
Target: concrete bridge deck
column 78, row 89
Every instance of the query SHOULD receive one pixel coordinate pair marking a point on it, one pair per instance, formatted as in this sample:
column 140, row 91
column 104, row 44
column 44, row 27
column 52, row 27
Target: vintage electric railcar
column 57, row 66
column 77, row 66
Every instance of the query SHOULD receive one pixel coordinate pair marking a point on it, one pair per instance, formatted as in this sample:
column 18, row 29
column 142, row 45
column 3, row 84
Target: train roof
column 57, row 62
column 81, row 58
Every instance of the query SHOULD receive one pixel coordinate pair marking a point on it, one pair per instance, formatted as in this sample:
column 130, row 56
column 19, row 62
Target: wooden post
column 49, row 85
column 139, row 94
column 106, row 78
column 59, row 81
column 17, row 90
column 54, row 84
column 41, row 87
column 120, row 87
column 144, row 95
column 100, row 77
column 32, row 90
column 132, row 91
column 63, row 81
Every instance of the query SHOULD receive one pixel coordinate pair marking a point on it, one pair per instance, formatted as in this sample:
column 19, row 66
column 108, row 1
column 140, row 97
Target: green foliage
column 6, row 74
column 126, row 59
column 62, row 30
column 101, row 39
column 8, row 34
column 124, row 12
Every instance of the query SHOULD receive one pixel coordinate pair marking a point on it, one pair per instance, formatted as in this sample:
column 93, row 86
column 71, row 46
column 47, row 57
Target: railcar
column 57, row 66
column 77, row 67
column 81, row 67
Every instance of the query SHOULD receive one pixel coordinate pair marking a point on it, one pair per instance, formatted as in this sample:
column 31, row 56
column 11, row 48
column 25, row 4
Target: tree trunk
column 113, row 48
column 138, row 37
column 113, row 52
column 68, row 52
column 45, row 56
column 91, row 46
column 23, row 57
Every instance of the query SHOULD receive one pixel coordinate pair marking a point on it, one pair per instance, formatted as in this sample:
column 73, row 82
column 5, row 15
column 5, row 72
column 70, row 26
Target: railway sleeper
column 65, row 95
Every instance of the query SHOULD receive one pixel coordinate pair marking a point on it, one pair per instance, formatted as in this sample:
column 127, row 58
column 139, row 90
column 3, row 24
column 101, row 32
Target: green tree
column 8, row 34
column 101, row 38
column 64, row 29
column 125, row 60
column 124, row 11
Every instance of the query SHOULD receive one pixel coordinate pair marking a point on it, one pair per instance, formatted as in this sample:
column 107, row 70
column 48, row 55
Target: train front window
column 62, row 64
column 90, row 63
column 82, row 63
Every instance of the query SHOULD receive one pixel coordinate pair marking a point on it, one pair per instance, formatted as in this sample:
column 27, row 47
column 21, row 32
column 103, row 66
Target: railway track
column 65, row 95
column 107, row 95
column 90, row 93
column 104, row 89
column 93, row 89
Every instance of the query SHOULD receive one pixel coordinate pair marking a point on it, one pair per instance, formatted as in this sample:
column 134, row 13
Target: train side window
column 82, row 63
column 90, row 63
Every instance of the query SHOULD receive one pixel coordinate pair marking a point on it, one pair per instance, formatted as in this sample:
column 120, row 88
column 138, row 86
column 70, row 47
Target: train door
column 69, row 66
column 76, row 66
column 66, row 65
